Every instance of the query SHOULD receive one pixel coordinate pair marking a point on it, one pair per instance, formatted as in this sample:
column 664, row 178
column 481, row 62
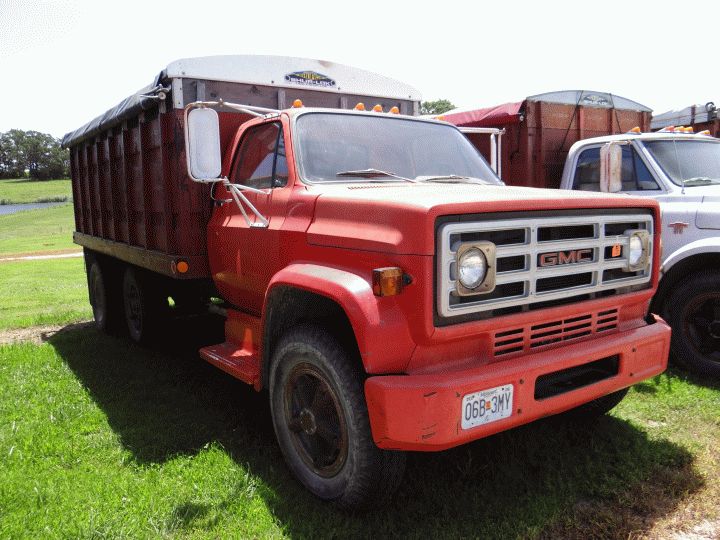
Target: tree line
column 31, row 154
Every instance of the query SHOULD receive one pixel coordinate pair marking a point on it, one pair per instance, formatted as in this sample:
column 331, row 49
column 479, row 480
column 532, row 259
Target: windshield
column 381, row 148
column 688, row 162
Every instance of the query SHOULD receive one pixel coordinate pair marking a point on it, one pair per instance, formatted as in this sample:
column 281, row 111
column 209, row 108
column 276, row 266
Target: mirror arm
column 236, row 190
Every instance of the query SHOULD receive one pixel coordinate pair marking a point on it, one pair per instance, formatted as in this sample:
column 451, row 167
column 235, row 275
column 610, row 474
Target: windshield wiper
column 452, row 178
column 372, row 173
column 700, row 181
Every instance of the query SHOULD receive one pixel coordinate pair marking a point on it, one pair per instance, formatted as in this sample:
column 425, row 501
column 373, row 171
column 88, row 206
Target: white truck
column 682, row 172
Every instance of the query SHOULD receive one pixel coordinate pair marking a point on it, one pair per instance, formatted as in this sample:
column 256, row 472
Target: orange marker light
column 394, row 110
column 297, row 104
column 182, row 267
column 668, row 129
column 636, row 129
column 377, row 108
column 387, row 281
column 689, row 129
column 360, row 107
column 616, row 250
column 441, row 118
column 704, row 132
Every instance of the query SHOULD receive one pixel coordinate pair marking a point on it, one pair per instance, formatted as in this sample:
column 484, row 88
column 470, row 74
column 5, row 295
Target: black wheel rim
column 98, row 297
column 701, row 324
column 314, row 418
column 133, row 309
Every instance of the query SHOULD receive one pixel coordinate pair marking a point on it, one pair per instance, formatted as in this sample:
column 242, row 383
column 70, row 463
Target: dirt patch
column 38, row 334
column 57, row 253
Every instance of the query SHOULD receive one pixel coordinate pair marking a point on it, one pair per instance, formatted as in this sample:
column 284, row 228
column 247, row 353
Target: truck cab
column 682, row 172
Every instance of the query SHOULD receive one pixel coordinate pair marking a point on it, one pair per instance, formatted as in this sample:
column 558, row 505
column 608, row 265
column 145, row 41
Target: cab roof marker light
column 667, row 129
column 636, row 129
column 297, row 104
column 704, row 132
column 394, row 110
column 377, row 108
column 360, row 106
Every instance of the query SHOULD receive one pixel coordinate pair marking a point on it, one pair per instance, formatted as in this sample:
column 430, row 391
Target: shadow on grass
column 548, row 479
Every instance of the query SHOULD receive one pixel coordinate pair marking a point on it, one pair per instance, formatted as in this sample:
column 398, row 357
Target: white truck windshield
column 379, row 147
column 688, row 162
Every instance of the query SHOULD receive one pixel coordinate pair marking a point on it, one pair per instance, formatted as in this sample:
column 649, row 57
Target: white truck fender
column 698, row 247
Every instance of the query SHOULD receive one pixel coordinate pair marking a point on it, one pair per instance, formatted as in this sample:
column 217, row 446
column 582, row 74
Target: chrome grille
column 520, row 281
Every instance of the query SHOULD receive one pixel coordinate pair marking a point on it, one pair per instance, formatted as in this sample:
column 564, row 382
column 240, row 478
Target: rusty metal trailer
column 540, row 130
column 700, row 117
column 133, row 198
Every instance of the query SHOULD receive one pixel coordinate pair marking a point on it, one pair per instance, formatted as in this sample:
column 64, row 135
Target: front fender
column 380, row 327
column 698, row 247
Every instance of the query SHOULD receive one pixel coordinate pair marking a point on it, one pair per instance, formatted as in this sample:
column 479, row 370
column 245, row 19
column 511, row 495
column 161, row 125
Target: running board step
column 235, row 360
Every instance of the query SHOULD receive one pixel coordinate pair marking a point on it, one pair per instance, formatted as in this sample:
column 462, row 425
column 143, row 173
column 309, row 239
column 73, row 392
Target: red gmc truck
column 374, row 274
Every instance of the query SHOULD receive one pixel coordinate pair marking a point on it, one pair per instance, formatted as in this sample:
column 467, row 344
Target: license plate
column 485, row 406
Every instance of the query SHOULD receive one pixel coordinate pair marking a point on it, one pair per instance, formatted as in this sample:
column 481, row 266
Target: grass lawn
column 52, row 291
column 22, row 190
column 102, row 438
column 46, row 229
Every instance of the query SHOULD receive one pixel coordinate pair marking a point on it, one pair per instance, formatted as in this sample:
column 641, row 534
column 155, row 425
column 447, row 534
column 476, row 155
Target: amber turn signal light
column 297, row 104
column 182, row 267
column 387, row 281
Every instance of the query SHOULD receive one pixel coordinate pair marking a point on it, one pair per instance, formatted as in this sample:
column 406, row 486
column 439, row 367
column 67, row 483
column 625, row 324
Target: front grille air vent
column 531, row 337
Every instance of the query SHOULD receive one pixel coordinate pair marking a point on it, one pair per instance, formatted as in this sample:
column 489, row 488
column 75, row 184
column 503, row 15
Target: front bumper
column 422, row 412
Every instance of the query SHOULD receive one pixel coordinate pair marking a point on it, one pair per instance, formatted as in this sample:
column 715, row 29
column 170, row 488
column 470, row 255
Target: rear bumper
column 422, row 412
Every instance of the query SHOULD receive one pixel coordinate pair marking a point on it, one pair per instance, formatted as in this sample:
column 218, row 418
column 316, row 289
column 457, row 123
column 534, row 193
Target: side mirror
column 611, row 168
column 202, row 144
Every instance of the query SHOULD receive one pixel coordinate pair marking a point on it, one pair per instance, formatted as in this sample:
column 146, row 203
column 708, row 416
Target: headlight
column 638, row 250
column 475, row 268
column 472, row 268
column 635, row 250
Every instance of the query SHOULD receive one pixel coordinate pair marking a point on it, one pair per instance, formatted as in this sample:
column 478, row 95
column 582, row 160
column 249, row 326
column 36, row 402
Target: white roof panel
column 291, row 72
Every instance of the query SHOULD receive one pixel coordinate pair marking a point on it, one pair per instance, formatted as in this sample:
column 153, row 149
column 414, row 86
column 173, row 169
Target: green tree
column 438, row 106
column 31, row 153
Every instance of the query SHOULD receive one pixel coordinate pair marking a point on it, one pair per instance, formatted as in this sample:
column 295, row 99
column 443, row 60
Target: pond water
column 13, row 208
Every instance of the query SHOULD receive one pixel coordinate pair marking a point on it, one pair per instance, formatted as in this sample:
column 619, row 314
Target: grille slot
column 548, row 234
column 528, row 338
column 564, row 282
column 566, row 380
column 541, row 261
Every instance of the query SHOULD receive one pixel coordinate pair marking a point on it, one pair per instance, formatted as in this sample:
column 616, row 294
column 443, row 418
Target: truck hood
column 400, row 218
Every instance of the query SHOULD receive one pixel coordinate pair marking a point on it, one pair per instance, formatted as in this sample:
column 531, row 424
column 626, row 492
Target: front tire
column 694, row 315
column 321, row 422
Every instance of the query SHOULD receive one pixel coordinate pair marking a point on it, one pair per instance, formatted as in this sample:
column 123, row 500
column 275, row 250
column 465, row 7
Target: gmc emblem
column 574, row 256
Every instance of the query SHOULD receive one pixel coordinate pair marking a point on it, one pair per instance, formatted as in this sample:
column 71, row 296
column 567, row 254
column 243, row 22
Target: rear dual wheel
column 145, row 305
column 105, row 299
column 321, row 422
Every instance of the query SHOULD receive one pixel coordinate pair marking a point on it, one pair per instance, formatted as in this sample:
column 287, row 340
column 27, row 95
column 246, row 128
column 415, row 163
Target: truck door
column 244, row 256
column 636, row 176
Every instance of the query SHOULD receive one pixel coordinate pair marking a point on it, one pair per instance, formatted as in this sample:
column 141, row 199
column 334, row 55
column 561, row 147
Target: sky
column 64, row 62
